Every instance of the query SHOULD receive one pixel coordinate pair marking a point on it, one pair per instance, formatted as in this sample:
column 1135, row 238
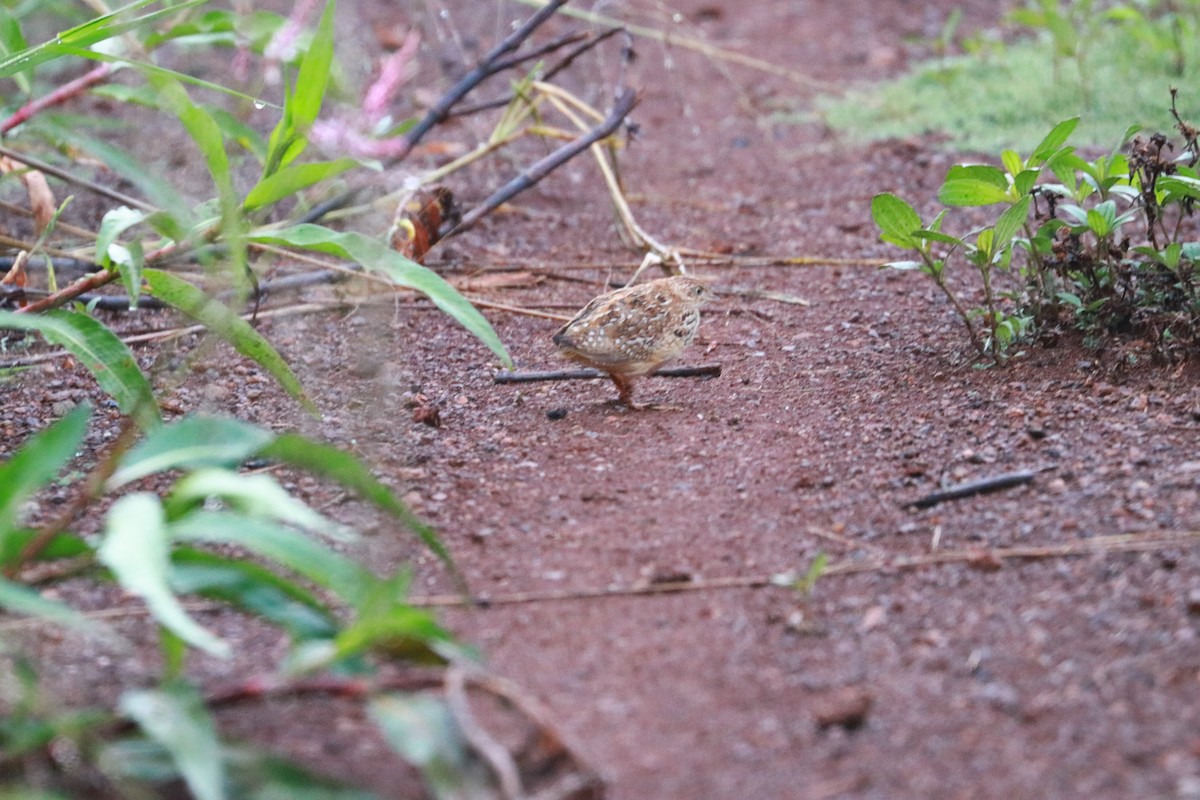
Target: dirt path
column 1046, row 677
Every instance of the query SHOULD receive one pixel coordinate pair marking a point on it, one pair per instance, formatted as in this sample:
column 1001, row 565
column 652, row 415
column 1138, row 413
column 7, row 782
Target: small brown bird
column 635, row 330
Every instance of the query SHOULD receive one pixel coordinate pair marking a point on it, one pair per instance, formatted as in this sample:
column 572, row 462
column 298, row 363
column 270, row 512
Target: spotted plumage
column 635, row 330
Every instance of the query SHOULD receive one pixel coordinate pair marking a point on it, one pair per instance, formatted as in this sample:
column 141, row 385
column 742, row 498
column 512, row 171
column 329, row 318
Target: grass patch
column 1010, row 97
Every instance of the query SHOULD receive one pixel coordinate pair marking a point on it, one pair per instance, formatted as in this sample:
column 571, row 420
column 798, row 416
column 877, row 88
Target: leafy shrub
column 1062, row 252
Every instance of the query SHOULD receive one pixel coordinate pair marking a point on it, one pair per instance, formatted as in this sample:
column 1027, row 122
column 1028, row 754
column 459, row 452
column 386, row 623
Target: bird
column 635, row 330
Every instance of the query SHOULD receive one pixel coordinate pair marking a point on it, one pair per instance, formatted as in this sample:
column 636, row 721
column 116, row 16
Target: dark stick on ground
column 981, row 486
column 702, row 371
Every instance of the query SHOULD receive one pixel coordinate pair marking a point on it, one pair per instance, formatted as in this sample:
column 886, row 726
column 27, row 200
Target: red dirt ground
column 1046, row 677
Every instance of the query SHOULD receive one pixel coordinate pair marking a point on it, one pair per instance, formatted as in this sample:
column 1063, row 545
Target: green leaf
column 303, row 101
column 1055, row 139
column 1012, row 162
column 375, row 255
column 12, row 40
column 938, row 236
column 37, row 462
column 98, row 349
column 175, row 717
column 191, row 443
column 1024, row 180
column 292, row 179
column 206, row 133
column 896, row 219
column 985, row 173
column 386, row 622
column 1103, row 218
column 1011, row 220
column 984, row 246
column 283, row 545
column 254, row 589
column 313, row 77
column 137, row 550
column 971, row 192
column 346, row 469
column 116, row 222
column 228, row 325
column 83, row 36
column 1179, row 186
column 251, row 495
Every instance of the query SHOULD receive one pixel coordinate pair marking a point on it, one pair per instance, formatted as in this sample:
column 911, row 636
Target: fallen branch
column 990, row 558
column 63, row 175
column 981, row 486
column 704, row 370
column 489, row 65
column 1119, row 543
column 59, row 96
column 622, row 105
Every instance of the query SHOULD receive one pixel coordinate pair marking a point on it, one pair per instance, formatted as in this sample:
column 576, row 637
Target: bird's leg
column 625, row 390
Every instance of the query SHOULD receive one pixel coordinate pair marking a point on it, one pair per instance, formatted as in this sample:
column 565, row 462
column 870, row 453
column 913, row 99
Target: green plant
column 1063, row 248
column 239, row 541
column 1103, row 60
column 335, row 612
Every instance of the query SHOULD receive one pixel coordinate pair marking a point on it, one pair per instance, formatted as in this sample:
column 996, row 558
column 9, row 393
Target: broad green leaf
column 292, row 179
column 375, row 255
column 38, row 461
column 938, row 236
column 1179, row 186
column 896, row 219
column 984, row 173
column 98, row 349
column 386, row 621
column 1103, row 218
column 1012, row 162
column 228, row 325
column 193, row 442
column 1024, row 180
column 136, row 548
column 116, row 222
column 175, row 717
column 1011, row 220
column 281, row 544
column 1172, row 254
column 346, row 469
column 971, row 192
column 984, row 243
column 254, row 589
column 1055, row 139
column 401, row 631
column 252, row 495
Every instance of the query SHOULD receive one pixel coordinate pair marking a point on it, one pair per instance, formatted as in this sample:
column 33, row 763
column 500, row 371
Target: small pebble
column 556, row 414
